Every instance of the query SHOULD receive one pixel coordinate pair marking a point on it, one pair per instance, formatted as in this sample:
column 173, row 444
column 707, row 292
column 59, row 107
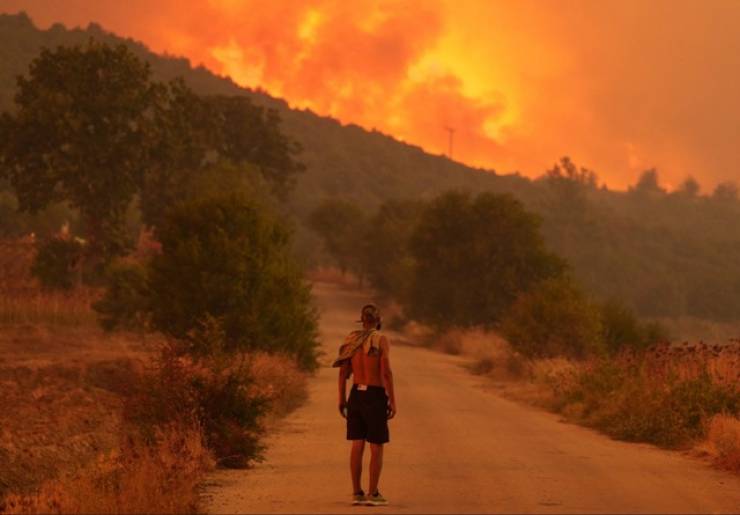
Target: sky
column 620, row 86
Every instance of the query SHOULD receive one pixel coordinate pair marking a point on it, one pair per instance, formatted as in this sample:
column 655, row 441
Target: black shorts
column 367, row 415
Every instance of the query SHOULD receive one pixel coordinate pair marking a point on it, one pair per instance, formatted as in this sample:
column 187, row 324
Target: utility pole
column 451, row 132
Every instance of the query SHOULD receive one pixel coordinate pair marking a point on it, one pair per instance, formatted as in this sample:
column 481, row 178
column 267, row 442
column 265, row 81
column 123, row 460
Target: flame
column 619, row 86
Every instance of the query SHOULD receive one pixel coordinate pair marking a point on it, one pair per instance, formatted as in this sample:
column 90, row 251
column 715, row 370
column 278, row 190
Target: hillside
column 666, row 254
column 344, row 160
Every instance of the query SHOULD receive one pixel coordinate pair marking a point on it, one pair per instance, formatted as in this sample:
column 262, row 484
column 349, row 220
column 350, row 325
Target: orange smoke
column 620, row 86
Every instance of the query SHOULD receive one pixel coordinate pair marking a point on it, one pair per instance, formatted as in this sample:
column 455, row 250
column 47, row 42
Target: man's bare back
column 368, row 368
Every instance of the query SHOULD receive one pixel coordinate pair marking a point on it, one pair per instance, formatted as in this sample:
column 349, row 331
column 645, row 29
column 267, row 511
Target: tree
column 386, row 257
column 224, row 258
column 689, row 188
column 182, row 142
column 81, row 133
column 194, row 134
column 725, row 192
column 554, row 319
column 473, row 257
column 251, row 134
column 56, row 262
column 342, row 227
column 92, row 128
column 569, row 185
column 648, row 183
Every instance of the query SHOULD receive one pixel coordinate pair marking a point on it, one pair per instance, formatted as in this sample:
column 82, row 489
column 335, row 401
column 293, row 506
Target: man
column 371, row 403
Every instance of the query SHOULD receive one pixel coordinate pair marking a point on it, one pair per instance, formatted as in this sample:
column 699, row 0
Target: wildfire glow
column 618, row 85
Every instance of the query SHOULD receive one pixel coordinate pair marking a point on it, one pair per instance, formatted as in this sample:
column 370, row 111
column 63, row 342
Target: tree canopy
column 473, row 257
column 81, row 133
column 92, row 128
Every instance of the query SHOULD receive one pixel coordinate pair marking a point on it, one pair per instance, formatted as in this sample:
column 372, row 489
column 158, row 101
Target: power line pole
column 451, row 132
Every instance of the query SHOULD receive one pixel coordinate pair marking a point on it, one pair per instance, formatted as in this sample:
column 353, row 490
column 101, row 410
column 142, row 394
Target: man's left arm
column 386, row 375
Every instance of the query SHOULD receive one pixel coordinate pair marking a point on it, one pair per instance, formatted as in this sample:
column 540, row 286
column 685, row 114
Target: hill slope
column 665, row 254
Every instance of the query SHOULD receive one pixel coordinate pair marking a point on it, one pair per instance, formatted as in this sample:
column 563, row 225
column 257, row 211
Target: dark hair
column 369, row 314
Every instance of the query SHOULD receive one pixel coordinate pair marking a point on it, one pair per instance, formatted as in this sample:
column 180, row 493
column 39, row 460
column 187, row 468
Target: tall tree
column 342, row 227
column 251, row 134
column 473, row 257
column 648, row 183
column 81, row 132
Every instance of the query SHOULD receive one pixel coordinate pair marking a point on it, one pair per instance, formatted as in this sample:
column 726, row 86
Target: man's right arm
column 344, row 372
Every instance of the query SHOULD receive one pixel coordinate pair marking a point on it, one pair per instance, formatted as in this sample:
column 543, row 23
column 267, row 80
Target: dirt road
column 458, row 447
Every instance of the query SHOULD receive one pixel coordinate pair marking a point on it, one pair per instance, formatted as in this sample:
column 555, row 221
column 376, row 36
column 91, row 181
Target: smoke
column 619, row 85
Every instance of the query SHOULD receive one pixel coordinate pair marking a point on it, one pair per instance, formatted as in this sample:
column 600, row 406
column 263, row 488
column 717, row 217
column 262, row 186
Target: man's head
column 370, row 316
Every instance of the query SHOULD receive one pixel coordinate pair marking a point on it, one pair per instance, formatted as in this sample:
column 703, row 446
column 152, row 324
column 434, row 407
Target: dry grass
column 137, row 477
column 688, row 361
column 723, row 441
column 48, row 308
column 278, row 379
column 57, row 417
column 65, row 445
column 23, row 302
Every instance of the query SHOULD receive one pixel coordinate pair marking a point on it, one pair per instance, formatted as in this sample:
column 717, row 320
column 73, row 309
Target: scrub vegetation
column 210, row 316
column 168, row 207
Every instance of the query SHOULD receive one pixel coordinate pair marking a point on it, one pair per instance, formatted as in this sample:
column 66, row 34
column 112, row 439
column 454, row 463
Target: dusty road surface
column 458, row 447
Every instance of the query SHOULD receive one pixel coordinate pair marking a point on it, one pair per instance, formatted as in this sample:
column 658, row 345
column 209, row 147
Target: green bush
column 554, row 319
column 230, row 416
column 226, row 258
column 621, row 329
column 125, row 302
column 56, row 262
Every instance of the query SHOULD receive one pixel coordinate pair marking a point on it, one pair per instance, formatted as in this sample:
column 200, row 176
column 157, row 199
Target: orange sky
column 619, row 85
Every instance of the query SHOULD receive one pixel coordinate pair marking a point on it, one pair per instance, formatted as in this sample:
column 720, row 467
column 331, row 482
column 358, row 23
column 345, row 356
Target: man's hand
column 391, row 410
column 343, row 409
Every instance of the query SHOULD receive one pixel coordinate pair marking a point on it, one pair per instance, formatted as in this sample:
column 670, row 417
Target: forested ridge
column 665, row 253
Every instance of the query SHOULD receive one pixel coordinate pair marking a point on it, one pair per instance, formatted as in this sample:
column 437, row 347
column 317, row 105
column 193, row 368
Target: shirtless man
column 371, row 403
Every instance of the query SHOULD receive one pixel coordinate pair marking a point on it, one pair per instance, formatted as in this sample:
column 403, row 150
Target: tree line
column 460, row 260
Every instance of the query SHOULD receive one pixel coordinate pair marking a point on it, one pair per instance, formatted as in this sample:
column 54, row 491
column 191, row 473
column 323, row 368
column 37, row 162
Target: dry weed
column 278, row 379
column 137, row 478
column 723, row 441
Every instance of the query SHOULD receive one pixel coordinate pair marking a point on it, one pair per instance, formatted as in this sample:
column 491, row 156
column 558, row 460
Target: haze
column 620, row 86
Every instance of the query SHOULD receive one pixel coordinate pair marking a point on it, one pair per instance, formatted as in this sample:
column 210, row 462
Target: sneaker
column 376, row 500
column 359, row 498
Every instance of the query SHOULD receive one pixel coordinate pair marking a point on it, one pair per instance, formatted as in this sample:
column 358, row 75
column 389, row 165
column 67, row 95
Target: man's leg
column 376, row 465
column 355, row 463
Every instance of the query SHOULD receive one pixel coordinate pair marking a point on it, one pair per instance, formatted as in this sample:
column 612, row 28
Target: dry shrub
column 414, row 331
column 493, row 355
column 139, row 477
column 54, row 420
column 665, row 396
column 217, row 392
column 278, row 379
column 450, row 342
column 723, row 441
